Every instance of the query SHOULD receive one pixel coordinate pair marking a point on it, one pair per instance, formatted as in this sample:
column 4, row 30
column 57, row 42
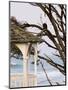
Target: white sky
column 29, row 13
column 25, row 12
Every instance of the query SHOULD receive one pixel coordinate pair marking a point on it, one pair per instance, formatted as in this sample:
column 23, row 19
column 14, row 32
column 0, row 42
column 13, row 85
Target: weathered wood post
column 24, row 49
column 35, row 60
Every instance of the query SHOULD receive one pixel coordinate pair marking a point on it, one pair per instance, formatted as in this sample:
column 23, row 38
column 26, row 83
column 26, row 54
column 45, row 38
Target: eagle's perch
column 20, row 35
column 24, row 40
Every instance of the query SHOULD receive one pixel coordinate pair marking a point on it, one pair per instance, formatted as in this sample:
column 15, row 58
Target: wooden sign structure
column 23, row 39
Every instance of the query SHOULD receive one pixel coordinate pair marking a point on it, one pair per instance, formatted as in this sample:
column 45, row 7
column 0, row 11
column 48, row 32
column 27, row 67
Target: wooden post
column 24, row 50
column 35, row 59
column 25, row 70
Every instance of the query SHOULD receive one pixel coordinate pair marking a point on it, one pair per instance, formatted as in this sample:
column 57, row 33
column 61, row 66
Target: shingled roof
column 20, row 35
